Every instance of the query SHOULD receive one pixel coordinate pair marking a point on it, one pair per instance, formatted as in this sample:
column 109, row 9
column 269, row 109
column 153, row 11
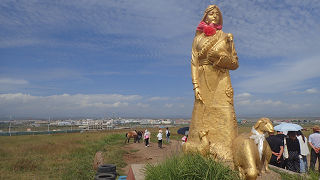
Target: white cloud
column 243, row 96
column 73, row 47
column 243, row 102
column 10, row 81
column 308, row 91
column 312, row 91
column 143, row 105
column 158, row 98
column 62, row 104
column 259, row 103
column 168, row 105
column 281, row 77
column 178, row 98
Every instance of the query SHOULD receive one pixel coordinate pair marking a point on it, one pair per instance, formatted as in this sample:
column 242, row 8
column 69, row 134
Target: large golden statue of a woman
column 213, row 55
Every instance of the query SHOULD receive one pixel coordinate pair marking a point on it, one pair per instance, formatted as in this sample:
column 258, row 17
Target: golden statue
column 213, row 55
column 251, row 152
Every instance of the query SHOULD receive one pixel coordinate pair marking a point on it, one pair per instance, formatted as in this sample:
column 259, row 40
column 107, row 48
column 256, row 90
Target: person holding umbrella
column 293, row 147
column 314, row 141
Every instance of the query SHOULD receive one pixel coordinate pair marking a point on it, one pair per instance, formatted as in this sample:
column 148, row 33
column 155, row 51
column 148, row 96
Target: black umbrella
column 183, row 131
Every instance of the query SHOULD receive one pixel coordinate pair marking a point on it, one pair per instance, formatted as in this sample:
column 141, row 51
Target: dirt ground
column 153, row 154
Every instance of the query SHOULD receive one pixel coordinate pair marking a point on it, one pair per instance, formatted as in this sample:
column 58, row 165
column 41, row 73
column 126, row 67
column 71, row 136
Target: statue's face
column 213, row 17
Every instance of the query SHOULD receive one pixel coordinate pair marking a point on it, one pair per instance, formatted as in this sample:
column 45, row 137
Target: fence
column 17, row 133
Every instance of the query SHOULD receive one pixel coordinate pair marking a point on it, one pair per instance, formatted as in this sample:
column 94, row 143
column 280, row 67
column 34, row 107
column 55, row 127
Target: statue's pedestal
column 135, row 172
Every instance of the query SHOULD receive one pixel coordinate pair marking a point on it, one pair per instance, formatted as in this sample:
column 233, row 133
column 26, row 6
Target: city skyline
column 92, row 57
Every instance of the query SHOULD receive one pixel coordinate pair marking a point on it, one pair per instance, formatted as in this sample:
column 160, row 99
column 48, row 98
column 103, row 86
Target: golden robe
column 212, row 58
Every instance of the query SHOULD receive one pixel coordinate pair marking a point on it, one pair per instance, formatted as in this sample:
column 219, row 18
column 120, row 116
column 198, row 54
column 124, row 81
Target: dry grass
column 69, row 156
column 44, row 156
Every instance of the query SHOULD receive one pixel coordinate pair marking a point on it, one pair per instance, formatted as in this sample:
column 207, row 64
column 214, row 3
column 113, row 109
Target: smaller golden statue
column 251, row 152
column 202, row 147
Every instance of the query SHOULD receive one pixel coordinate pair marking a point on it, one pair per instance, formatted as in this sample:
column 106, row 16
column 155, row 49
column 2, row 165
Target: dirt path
column 139, row 154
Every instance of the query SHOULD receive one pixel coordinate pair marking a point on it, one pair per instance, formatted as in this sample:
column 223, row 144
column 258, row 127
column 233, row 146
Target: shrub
column 189, row 166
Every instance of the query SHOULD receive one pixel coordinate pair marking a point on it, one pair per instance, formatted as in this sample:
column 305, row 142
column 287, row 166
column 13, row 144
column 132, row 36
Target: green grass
column 81, row 159
column 310, row 176
column 133, row 151
column 189, row 167
column 71, row 155
column 59, row 156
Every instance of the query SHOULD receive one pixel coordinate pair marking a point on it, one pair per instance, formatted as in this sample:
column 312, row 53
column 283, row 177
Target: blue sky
column 87, row 58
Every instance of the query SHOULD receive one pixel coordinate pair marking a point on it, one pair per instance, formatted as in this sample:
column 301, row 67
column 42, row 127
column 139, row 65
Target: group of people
column 290, row 150
column 146, row 136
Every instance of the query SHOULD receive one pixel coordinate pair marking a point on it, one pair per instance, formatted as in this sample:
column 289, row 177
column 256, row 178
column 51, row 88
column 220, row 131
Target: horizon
column 92, row 58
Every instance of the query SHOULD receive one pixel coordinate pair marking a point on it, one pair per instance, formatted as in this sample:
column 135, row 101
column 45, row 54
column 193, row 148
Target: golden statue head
column 212, row 15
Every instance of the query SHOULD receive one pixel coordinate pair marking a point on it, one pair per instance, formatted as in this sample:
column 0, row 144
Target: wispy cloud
column 242, row 96
column 158, row 98
column 9, row 81
column 143, row 105
column 308, row 91
column 281, row 77
column 87, row 48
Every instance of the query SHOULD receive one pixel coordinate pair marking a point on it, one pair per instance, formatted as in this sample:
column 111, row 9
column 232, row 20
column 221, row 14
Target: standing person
column 184, row 139
column 314, row 141
column 276, row 145
column 303, row 141
column 293, row 146
column 159, row 136
column 282, row 136
column 146, row 137
column 167, row 134
column 139, row 133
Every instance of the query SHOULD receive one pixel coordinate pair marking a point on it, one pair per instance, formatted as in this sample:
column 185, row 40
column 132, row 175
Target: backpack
column 168, row 133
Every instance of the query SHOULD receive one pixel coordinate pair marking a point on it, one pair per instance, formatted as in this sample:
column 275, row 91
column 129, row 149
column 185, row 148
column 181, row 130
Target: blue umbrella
column 183, row 131
column 287, row 127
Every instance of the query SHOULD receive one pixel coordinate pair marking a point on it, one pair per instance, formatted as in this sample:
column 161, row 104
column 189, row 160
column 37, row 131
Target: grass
column 284, row 176
column 188, row 167
column 70, row 155
column 58, row 156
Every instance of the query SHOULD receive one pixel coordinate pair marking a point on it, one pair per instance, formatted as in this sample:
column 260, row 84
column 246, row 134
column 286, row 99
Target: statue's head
column 212, row 15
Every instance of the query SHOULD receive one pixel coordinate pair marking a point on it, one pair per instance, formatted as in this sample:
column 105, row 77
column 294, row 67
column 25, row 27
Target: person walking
column 167, row 134
column 303, row 141
column 276, row 145
column 293, row 146
column 159, row 136
column 146, row 137
column 314, row 141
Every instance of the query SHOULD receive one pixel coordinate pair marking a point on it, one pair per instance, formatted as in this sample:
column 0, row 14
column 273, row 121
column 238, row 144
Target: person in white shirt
column 314, row 141
column 159, row 136
column 304, row 151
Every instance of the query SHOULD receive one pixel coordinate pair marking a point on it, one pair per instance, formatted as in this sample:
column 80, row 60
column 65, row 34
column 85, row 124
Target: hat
column 316, row 127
